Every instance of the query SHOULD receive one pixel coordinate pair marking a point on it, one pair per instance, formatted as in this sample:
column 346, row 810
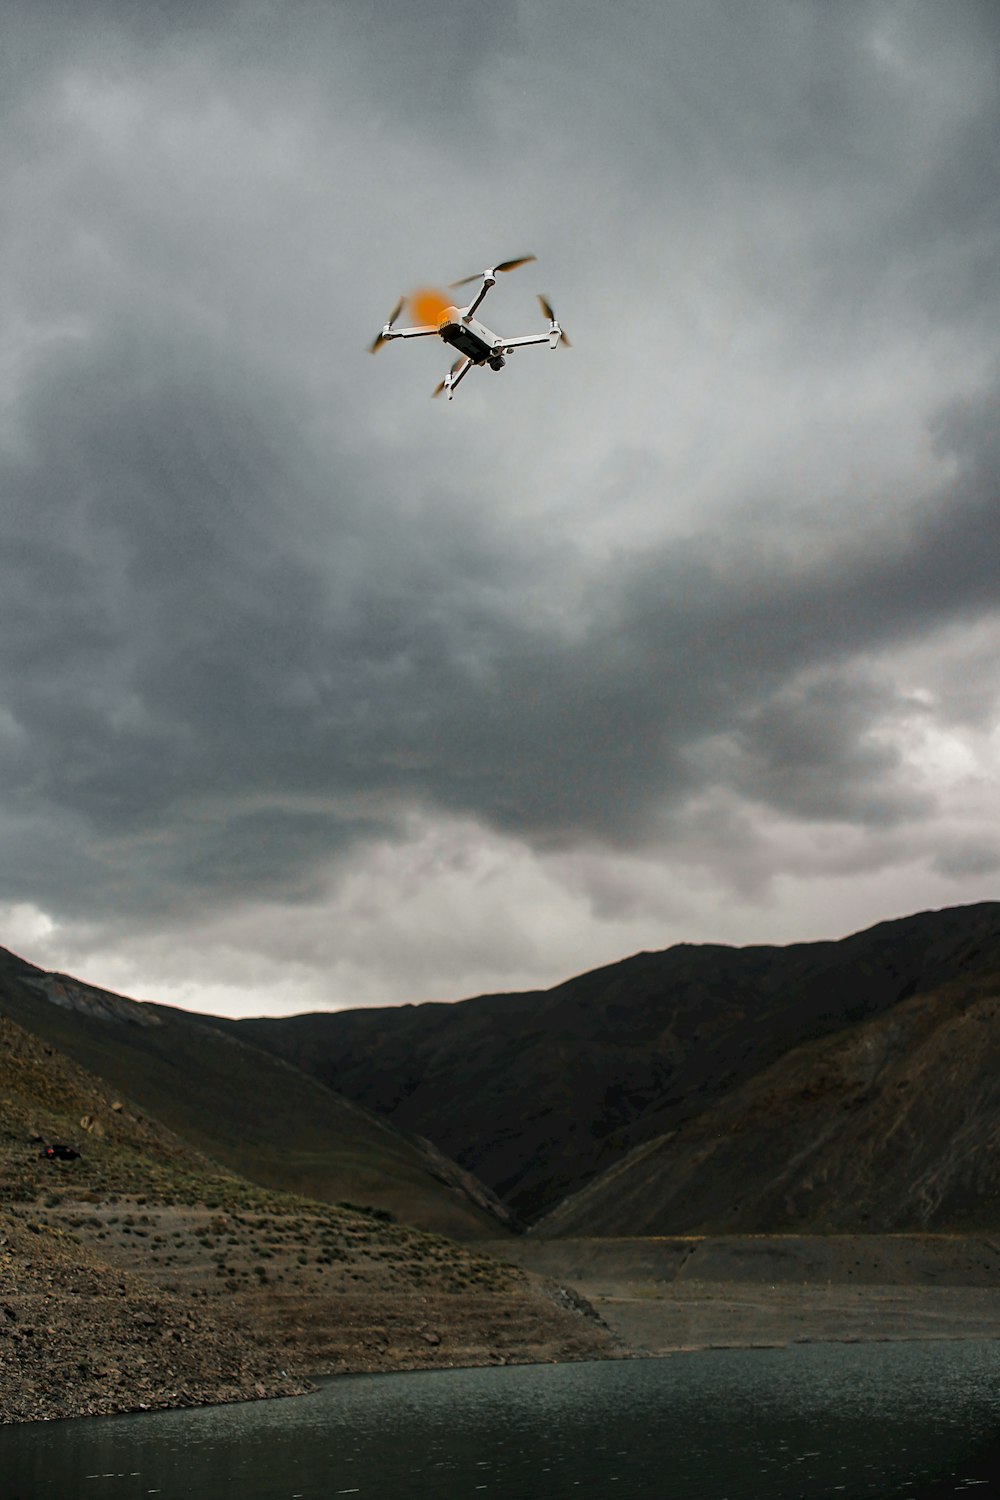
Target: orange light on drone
column 429, row 306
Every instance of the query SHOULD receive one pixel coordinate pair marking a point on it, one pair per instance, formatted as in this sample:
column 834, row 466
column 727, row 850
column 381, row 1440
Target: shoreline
column 306, row 1384
column 685, row 1293
column 82, row 1337
column 741, row 1316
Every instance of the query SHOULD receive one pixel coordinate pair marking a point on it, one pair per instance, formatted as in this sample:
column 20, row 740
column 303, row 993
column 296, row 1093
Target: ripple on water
column 866, row 1422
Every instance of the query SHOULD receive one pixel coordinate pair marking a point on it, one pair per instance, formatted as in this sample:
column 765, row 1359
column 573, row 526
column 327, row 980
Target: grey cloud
column 267, row 853
column 171, row 644
column 970, row 858
column 810, row 752
column 418, row 63
column 253, row 609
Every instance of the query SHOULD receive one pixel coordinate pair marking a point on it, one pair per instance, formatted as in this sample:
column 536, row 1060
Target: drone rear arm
column 410, row 333
column 460, row 376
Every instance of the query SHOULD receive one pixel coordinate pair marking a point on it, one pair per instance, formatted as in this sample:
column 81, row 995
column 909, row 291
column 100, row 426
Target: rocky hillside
column 139, row 1273
column 889, row 1125
column 250, row 1111
column 79, row 1337
column 540, row 1093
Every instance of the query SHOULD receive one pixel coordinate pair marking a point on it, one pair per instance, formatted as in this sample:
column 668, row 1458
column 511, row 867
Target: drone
column 457, row 326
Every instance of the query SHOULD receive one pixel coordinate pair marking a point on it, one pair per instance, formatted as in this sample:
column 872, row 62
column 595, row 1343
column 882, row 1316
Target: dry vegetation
column 202, row 1286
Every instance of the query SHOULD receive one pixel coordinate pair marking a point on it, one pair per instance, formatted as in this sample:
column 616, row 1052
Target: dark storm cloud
column 181, row 670
column 421, row 62
column 177, row 657
column 245, row 627
column 702, row 639
column 810, row 751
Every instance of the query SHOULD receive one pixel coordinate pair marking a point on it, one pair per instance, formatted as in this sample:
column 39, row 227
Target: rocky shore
column 87, row 1330
column 78, row 1338
column 84, row 1333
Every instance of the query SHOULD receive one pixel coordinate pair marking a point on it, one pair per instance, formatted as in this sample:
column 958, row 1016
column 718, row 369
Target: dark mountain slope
column 537, row 1093
column 887, row 1126
column 44, row 1097
column 244, row 1107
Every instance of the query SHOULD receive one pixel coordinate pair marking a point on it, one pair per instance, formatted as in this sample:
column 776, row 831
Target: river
column 825, row 1421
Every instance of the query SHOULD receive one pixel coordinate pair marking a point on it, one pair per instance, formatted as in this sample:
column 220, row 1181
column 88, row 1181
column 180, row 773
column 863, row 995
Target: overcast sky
column 315, row 692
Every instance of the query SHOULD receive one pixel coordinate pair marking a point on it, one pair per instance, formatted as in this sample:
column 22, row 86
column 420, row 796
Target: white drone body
column 474, row 342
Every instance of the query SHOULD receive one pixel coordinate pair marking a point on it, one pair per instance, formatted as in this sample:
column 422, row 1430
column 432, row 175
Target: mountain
column 245, row 1108
column 540, row 1093
column 890, row 1125
column 825, row 1087
column 138, row 1273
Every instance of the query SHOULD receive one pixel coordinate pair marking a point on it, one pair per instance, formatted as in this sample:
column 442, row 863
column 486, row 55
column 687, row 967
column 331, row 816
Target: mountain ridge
column 250, row 1110
column 653, row 1095
column 569, row 1080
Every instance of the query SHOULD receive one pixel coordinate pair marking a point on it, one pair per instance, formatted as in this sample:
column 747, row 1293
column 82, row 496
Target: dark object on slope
column 57, row 1152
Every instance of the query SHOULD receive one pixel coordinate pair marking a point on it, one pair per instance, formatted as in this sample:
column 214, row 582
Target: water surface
column 842, row 1422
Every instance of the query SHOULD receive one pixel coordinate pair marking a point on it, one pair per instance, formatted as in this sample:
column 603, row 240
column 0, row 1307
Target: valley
column 839, row 1086
column 705, row 1147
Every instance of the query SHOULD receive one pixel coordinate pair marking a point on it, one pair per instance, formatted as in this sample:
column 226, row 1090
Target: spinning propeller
column 383, row 336
column 429, row 305
column 547, row 310
column 505, row 265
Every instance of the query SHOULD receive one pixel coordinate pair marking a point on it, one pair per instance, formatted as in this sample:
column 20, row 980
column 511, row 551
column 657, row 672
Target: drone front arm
column 529, row 338
column 488, row 281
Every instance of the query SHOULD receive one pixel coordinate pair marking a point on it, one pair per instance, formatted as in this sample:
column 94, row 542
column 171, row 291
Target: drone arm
column 460, row 376
column 410, row 333
column 488, row 281
column 453, row 379
column 461, row 367
column 529, row 338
